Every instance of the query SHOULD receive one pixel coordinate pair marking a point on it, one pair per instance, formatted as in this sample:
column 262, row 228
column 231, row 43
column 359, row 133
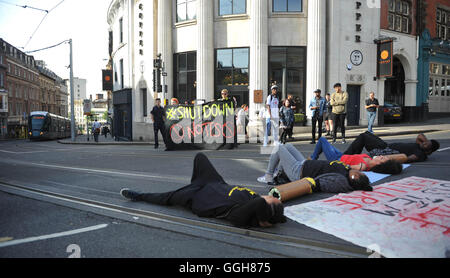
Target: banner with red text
column 211, row 125
column 405, row 218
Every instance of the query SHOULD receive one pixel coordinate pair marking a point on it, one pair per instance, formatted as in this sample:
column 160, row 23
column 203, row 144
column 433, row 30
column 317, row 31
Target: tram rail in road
column 174, row 223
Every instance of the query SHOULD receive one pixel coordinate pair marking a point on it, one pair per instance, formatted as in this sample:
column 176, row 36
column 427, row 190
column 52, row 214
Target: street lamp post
column 72, row 96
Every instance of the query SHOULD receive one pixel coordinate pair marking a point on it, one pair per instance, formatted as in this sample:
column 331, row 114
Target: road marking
column 189, row 223
column 121, row 173
column 3, row 239
column 56, row 235
column 444, row 149
column 25, row 152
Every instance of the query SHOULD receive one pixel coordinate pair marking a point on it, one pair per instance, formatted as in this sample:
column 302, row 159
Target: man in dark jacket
column 158, row 121
column 209, row 195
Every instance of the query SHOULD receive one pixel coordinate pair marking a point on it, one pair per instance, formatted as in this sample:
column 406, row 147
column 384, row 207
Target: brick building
column 22, row 81
column 3, row 95
column 26, row 85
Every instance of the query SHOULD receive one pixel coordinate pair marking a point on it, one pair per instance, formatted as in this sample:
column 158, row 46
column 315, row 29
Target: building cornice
column 114, row 6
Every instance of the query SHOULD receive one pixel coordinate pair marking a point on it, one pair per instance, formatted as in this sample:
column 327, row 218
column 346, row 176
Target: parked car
column 392, row 111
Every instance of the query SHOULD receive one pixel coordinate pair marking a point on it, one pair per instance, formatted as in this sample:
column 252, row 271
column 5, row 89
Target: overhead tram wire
column 48, row 47
column 47, row 12
column 23, row 6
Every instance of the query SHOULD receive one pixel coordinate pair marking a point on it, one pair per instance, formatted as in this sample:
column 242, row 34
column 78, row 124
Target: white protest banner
column 405, row 218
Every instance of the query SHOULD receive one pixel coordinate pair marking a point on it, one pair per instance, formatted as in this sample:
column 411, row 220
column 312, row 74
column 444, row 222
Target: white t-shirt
column 273, row 103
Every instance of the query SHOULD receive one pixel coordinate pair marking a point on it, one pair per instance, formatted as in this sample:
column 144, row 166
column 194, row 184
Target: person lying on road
column 362, row 162
column 416, row 152
column 208, row 195
column 292, row 162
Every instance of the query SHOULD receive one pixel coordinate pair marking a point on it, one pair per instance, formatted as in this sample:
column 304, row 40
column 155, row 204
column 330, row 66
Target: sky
column 83, row 21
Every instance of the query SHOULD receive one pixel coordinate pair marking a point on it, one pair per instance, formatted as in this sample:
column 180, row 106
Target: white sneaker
column 264, row 180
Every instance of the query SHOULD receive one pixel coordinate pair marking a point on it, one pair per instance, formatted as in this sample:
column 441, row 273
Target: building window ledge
column 287, row 14
column 185, row 23
column 232, row 17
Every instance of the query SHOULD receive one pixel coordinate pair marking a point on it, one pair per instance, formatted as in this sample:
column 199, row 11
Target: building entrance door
column 353, row 104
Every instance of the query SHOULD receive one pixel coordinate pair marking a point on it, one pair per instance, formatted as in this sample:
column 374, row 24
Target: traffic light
column 158, row 81
column 157, row 63
column 107, row 80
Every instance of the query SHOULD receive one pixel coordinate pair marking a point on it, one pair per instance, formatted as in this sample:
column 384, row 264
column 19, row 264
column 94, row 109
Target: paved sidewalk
column 301, row 133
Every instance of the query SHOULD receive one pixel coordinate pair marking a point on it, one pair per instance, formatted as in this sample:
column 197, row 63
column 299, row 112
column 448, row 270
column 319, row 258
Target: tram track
column 179, row 224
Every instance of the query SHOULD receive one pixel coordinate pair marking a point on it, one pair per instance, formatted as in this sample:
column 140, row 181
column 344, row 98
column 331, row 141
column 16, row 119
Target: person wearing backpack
column 272, row 116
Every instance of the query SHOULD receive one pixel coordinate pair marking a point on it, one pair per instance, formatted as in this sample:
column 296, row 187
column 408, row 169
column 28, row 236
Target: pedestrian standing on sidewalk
column 317, row 106
column 339, row 101
column 327, row 115
column 96, row 126
column 286, row 120
column 272, row 116
column 371, row 106
column 158, row 121
column 293, row 106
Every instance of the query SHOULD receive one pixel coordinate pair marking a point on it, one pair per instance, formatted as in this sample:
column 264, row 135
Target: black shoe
column 129, row 194
column 312, row 142
column 334, row 141
column 156, row 146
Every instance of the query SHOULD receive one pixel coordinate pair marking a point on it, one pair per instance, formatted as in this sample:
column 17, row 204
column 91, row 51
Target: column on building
column 205, row 50
column 316, row 52
column 259, row 63
column 164, row 40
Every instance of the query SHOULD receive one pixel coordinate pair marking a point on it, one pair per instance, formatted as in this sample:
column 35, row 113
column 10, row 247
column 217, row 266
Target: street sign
column 107, row 80
column 87, row 107
column 384, row 58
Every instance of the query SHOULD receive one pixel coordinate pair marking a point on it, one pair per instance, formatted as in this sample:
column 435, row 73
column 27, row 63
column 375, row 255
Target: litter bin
column 380, row 115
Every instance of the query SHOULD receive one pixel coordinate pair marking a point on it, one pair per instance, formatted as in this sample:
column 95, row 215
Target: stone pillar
column 205, row 50
column 164, row 39
column 259, row 64
column 316, row 52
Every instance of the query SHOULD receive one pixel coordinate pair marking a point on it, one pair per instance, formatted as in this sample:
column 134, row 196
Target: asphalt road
column 37, row 224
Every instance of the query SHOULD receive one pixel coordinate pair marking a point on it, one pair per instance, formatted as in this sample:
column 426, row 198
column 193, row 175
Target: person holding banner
column 208, row 195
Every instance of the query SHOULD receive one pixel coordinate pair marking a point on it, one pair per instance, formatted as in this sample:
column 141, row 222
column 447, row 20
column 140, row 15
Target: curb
column 304, row 139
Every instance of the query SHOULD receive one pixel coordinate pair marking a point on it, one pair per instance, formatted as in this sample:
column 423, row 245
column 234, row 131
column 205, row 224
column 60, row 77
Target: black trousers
column 284, row 134
column 96, row 136
column 366, row 140
column 202, row 173
column 159, row 127
column 338, row 121
column 319, row 120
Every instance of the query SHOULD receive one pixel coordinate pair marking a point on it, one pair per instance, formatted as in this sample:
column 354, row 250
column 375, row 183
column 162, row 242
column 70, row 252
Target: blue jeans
column 331, row 153
column 371, row 116
column 288, row 158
